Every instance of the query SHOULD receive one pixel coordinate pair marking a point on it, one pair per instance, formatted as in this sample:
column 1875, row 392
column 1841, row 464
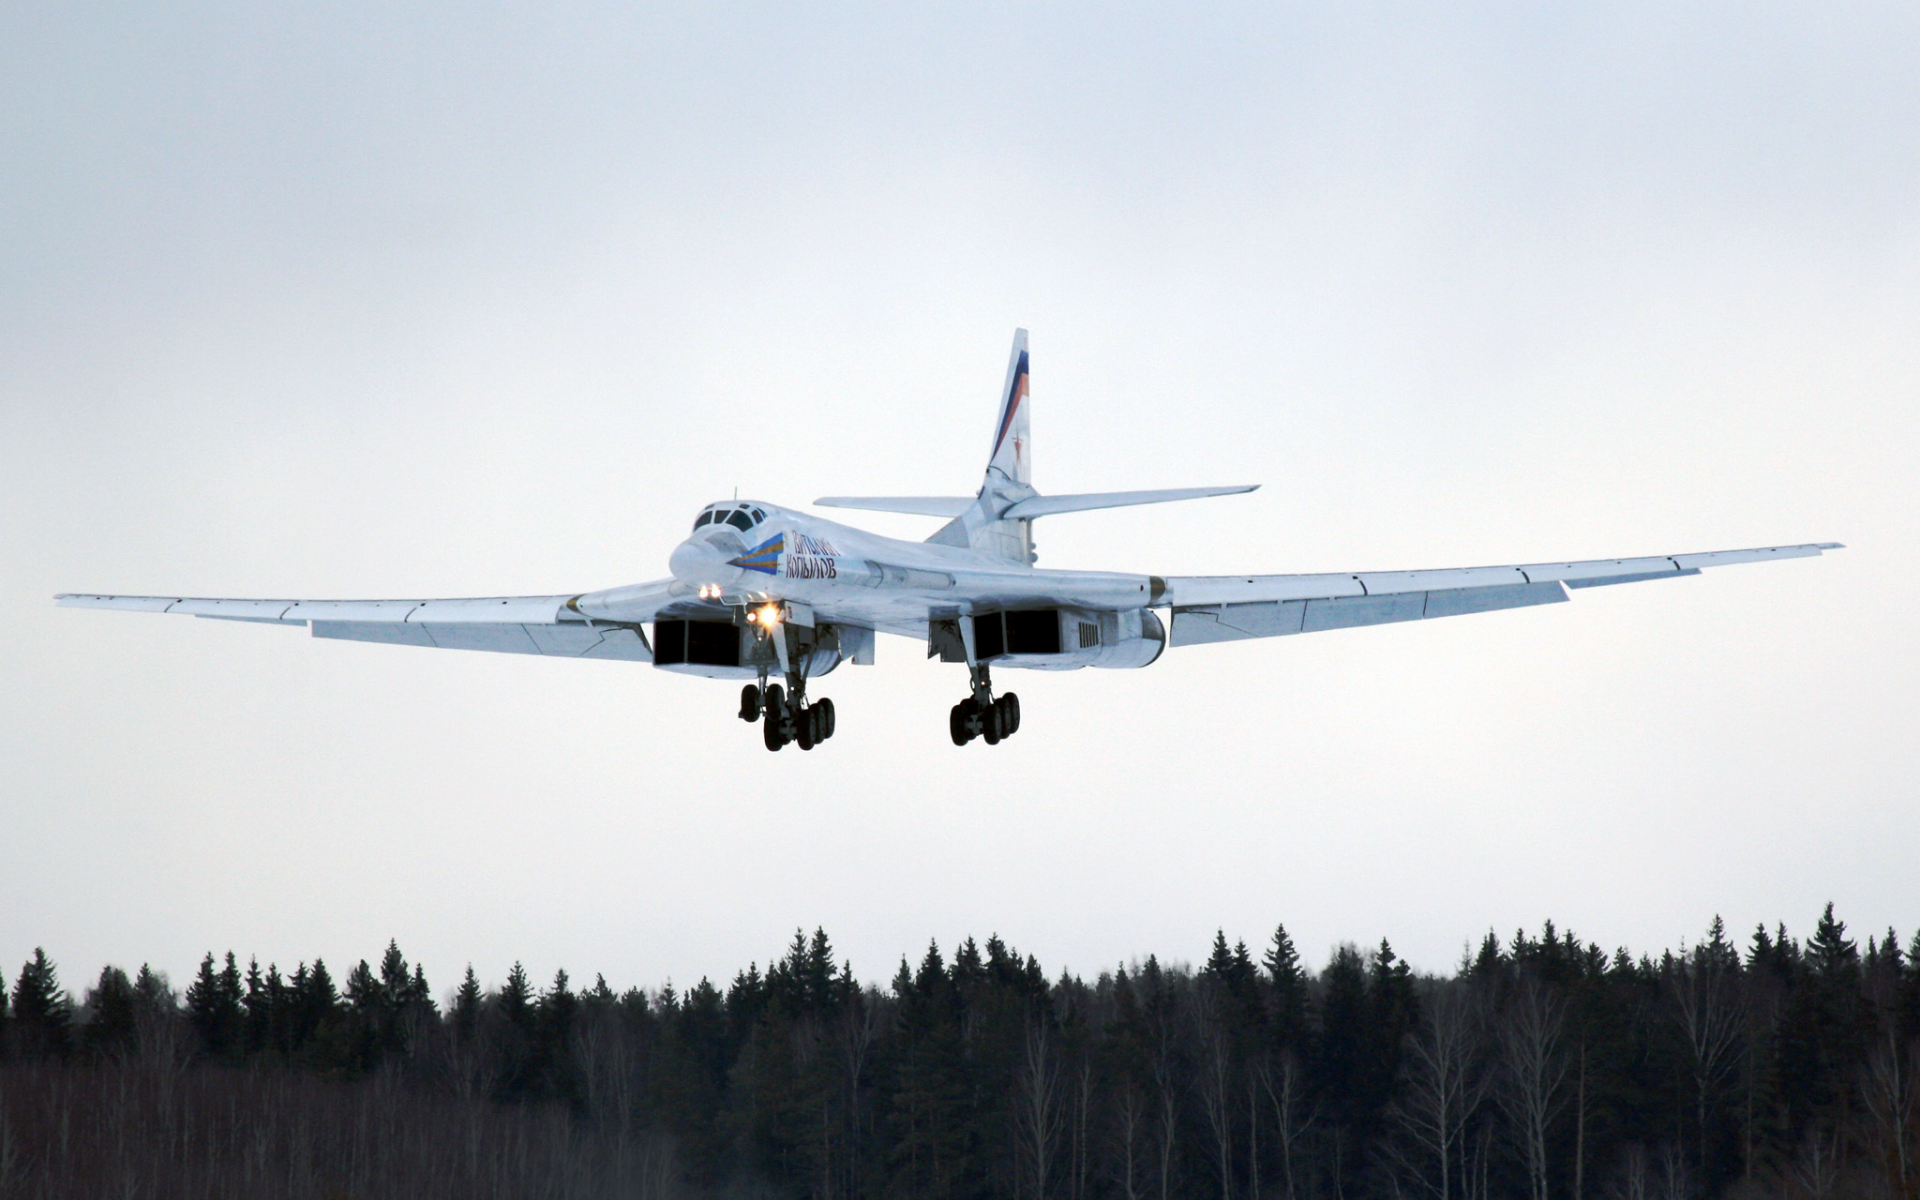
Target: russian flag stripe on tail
column 1012, row 453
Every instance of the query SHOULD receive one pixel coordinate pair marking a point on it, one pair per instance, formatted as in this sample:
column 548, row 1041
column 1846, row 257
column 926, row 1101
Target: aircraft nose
column 697, row 561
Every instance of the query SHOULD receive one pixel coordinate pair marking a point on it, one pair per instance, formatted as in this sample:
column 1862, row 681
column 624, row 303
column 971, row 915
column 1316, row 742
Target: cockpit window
column 742, row 518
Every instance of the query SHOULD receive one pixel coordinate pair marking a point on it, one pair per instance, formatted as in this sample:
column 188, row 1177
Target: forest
column 1542, row 1068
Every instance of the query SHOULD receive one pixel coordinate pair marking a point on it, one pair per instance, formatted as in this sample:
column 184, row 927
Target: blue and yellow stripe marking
column 764, row 558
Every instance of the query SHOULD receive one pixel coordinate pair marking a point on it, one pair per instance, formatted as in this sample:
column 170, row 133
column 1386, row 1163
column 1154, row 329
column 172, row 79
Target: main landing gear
column 787, row 717
column 982, row 716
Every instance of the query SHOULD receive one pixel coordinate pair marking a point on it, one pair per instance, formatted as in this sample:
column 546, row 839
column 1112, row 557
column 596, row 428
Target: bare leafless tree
column 1039, row 1113
column 1130, row 1126
column 1533, row 1073
column 1284, row 1084
column 10, row 1168
column 1704, row 986
column 1216, row 1081
column 1890, row 1086
column 1816, row 1168
column 1674, row 1181
column 1082, row 1107
column 1444, row 1085
column 1635, row 1180
column 1892, row 1102
column 860, row 1022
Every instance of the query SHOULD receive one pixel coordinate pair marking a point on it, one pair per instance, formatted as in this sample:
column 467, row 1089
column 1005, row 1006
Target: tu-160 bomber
column 775, row 598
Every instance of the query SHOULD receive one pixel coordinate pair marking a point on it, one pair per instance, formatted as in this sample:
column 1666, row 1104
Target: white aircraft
column 776, row 597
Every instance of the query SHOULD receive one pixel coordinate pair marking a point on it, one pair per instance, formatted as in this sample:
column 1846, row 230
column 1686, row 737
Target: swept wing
column 1224, row 608
column 579, row 625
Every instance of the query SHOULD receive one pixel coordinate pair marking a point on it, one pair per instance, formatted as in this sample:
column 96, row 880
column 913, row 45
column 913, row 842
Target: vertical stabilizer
column 1009, row 474
column 1012, row 437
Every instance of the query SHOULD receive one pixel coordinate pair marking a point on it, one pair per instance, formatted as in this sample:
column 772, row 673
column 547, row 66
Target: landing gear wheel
column 825, row 709
column 1009, row 706
column 957, row 724
column 805, row 725
column 993, row 724
column 750, row 703
column 770, row 719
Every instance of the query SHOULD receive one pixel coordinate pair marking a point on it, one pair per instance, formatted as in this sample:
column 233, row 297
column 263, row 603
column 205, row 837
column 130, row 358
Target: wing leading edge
column 1223, row 608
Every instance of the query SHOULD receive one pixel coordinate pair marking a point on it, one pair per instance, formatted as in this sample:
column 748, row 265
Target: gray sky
column 384, row 300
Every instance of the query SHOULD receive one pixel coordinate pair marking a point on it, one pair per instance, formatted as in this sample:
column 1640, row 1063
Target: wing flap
column 571, row 640
column 1235, row 622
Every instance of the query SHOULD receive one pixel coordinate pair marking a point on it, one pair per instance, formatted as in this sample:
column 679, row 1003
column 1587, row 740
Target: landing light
column 769, row 615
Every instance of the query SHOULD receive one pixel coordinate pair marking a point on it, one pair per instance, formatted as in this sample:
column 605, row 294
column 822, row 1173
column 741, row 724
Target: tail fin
column 1008, row 478
column 1012, row 437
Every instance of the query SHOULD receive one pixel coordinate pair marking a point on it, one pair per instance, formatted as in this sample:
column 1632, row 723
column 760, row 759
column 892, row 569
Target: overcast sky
column 386, row 300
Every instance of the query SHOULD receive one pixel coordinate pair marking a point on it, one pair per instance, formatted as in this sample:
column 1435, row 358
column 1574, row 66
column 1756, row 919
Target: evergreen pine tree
column 1220, row 959
column 394, row 977
column 366, row 1017
column 1289, row 992
column 1831, row 953
column 819, row 972
column 279, row 1004
column 206, row 1008
column 466, row 1006
column 363, row 995
column 1488, row 963
column 516, row 998
column 42, row 1012
column 559, row 1009
column 110, row 1013
column 1394, row 1008
column 153, row 991
column 316, row 1004
column 257, row 1002
column 1822, row 1031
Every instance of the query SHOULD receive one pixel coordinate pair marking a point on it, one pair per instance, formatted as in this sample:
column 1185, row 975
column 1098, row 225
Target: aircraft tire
column 825, row 709
column 1009, row 705
column 776, row 705
column 993, row 724
column 750, row 703
column 957, row 724
column 806, row 723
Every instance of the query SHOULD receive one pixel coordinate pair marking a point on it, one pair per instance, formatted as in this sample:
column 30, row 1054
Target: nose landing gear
column 982, row 716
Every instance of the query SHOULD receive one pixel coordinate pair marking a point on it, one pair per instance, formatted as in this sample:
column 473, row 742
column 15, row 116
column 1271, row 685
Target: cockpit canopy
column 737, row 513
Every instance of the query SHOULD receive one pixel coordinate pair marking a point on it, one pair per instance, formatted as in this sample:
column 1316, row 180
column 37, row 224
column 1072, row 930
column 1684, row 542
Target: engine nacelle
column 725, row 650
column 1056, row 639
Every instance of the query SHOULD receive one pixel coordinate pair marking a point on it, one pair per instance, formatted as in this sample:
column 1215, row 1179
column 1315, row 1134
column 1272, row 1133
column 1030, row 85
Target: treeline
column 1542, row 1068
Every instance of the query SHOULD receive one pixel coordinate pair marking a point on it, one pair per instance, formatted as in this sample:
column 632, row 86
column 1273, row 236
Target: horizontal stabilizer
column 925, row 506
column 1045, row 506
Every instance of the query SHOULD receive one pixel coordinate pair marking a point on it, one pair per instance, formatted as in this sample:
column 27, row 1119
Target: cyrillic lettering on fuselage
column 810, row 558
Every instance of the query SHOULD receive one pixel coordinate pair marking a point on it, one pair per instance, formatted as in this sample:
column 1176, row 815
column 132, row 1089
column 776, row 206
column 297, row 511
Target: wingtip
column 1830, row 545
